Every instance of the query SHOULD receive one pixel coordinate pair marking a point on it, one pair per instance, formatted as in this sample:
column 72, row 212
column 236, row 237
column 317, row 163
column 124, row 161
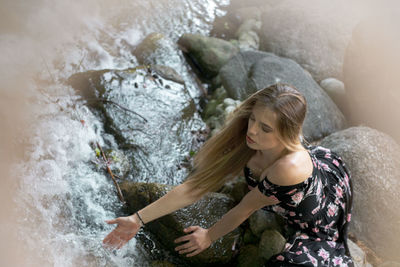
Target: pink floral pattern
column 314, row 210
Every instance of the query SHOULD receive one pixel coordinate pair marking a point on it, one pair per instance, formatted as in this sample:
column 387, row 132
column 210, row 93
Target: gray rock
column 272, row 242
column 336, row 91
column 203, row 213
column 370, row 70
column 138, row 110
column 235, row 72
column 247, row 34
column 208, row 53
column 373, row 159
column 389, row 264
column 261, row 220
column 237, row 188
column 250, row 71
column 313, row 33
column 358, row 255
column 249, row 256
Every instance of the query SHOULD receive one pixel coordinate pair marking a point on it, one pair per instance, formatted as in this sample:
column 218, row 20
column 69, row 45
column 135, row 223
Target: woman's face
column 261, row 130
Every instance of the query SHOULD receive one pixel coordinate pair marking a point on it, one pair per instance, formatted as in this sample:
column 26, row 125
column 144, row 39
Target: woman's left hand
column 198, row 241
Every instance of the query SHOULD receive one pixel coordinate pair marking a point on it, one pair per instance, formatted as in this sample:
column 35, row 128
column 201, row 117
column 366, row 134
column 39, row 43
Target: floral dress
column 318, row 210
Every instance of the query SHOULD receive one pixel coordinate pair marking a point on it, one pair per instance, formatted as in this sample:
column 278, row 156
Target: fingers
column 113, row 221
column 194, row 253
column 182, row 238
column 184, row 246
column 187, row 250
column 191, row 229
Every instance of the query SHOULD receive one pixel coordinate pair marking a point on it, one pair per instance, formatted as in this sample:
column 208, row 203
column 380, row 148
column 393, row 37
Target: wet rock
column 250, row 71
column 168, row 73
column 209, row 54
column 203, row 213
column 272, row 242
column 165, row 58
column 249, row 256
column 139, row 116
column 151, row 45
column 237, row 189
column 262, row 220
column 313, row 33
column 161, row 264
column 249, row 237
column 373, row 159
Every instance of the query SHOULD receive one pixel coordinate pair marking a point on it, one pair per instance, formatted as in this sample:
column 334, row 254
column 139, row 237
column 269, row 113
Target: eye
column 266, row 130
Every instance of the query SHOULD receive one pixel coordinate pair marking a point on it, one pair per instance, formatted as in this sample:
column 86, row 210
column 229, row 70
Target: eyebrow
column 262, row 122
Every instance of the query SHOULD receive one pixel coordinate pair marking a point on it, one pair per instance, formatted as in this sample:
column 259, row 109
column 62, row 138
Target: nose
column 252, row 129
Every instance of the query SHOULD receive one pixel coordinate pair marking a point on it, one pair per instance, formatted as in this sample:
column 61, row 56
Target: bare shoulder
column 288, row 171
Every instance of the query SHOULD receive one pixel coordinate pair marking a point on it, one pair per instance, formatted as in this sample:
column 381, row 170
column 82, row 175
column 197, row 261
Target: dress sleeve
column 291, row 194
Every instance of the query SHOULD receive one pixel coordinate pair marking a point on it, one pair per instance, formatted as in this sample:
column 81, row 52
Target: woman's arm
column 127, row 227
column 179, row 197
column 201, row 238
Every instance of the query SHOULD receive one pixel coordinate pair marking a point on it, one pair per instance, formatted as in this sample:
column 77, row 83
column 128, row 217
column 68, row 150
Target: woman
column 261, row 140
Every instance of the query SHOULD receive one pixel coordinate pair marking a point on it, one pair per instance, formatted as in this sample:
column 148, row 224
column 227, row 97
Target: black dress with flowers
column 318, row 209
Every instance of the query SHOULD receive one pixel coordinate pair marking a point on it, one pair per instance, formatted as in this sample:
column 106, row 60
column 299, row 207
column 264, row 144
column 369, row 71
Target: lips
column 249, row 139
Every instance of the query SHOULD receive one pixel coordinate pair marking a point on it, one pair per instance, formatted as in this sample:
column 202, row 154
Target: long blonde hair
column 226, row 153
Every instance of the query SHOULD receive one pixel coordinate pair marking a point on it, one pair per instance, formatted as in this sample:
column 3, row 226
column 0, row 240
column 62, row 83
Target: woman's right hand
column 126, row 229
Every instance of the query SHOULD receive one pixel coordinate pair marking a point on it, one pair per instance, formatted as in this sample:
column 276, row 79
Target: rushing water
column 61, row 199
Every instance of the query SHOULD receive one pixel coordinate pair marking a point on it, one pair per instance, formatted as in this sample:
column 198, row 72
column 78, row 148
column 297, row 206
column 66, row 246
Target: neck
column 271, row 155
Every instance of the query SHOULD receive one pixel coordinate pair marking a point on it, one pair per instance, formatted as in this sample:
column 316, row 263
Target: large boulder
column 165, row 58
column 138, row 107
column 314, row 33
column 203, row 213
column 371, row 67
column 250, row 71
column 373, row 159
column 209, row 54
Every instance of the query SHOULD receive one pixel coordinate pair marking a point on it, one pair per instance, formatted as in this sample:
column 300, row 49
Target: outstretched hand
column 126, row 229
column 198, row 241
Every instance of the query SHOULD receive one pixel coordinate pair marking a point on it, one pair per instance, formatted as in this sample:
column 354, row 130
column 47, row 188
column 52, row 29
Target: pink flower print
column 315, row 210
column 337, row 260
column 300, row 243
column 323, row 253
column 318, row 222
column 318, row 239
column 335, row 162
column 325, row 166
column 278, row 209
column 305, row 249
column 315, row 230
column 296, row 221
column 280, row 258
column 328, row 155
column 299, row 252
column 332, row 244
column 337, row 201
column 332, row 209
column 304, row 236
column 303, row 225
column 297, row 197
column 312, row 259
column 335, row 236
column 291, row 191
column 349, row 217
column 292, row 213
column 339, row 191
column 266, row 185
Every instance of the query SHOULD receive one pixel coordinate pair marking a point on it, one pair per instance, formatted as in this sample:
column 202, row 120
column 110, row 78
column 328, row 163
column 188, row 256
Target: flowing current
column 61, row 201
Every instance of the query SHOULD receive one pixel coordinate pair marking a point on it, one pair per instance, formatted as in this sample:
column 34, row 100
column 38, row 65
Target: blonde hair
column 226, row 153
